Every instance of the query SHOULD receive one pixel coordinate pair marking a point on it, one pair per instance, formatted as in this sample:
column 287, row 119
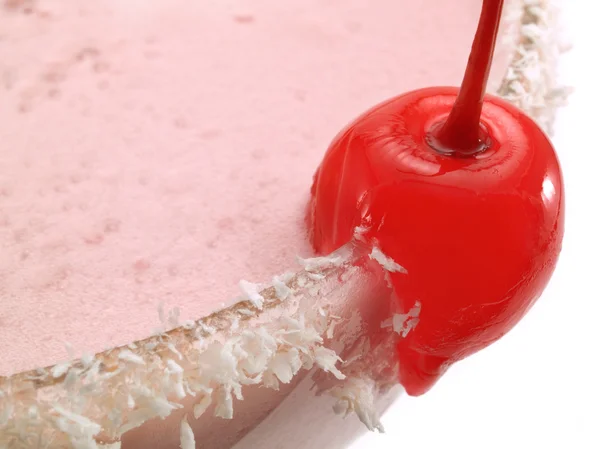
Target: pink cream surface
column 161, row 151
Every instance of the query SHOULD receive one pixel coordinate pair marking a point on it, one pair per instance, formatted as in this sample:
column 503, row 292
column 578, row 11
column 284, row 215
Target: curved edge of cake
column 531, row 80
column 153, row 376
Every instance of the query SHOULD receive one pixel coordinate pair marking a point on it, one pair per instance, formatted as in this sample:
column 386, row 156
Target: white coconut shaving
column 186, row 435
column 90, row 403
column 128, row 356
column 403, row 323
column 60, row 369
column 530, row 82
column 251, row 291
column 386, row 262
column 100, row 398
column 357, row 395
column 316, row 264
column 359, row 233
column 116, row 445
column 281, row 288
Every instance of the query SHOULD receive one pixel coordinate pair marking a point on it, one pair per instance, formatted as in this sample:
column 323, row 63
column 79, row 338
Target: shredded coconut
column 404, row 323
column 252, row 293
column 282, row 290
column 129, row 356
column 359, row 233
column 60, row 369
column 186, row 435
column 246, row 312
column 316, row 264
column 530, row 82
column 357, row 395
column 386, row 262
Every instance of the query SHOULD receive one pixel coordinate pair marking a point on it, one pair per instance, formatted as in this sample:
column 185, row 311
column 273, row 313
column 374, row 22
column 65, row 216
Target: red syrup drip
column 476, row 218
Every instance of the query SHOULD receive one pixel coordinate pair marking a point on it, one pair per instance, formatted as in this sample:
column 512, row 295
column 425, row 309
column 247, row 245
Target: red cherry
column 473, row 209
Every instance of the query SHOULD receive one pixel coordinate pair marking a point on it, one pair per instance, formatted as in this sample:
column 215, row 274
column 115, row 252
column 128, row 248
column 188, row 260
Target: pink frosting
column 163, row 150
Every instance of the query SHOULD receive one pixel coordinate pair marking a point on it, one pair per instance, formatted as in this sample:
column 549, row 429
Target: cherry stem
column 461, row 132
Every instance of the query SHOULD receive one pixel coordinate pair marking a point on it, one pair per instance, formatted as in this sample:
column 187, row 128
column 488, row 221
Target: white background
column 538, row 387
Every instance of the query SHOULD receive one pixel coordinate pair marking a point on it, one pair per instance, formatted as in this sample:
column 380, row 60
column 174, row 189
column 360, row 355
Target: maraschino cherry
column 464, row 191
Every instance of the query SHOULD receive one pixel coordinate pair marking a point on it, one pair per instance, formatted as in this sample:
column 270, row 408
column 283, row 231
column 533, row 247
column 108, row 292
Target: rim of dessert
column 154, row 375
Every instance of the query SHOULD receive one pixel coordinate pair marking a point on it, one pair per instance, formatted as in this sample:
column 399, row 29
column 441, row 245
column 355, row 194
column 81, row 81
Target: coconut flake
column 326, row 360
column 281, row 289
column 246, row 312
column 85, row 425
column 316, row 264
column 224, row 407
column 175, row 351
column 251, row 291
column 316, row 276
column 285, row 365
column 128, row 356
column 201, row 406
column 186, row 435
column 404, row 323
column 87, row 360
column 358, row 395
column 60, row 369
column 206, row 328
column 386, row 262
column 359, row 233
column 173, row 367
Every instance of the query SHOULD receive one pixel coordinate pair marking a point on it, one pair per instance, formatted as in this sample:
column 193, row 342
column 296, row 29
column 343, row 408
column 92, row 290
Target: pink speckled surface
column 163, row 150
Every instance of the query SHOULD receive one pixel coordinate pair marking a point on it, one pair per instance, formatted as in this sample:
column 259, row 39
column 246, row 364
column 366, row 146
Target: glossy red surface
column 479, row 235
